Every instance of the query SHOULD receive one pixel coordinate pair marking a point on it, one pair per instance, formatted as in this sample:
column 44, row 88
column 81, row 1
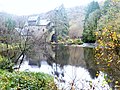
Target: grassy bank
column 69, row 42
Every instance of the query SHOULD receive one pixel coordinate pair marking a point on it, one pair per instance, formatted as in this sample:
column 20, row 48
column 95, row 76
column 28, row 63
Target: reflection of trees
column 38, row 53
column 64, row 55
column 76, row 56
column 53, row 54
column 69, row 55
column 61, row 54
column 90, row 62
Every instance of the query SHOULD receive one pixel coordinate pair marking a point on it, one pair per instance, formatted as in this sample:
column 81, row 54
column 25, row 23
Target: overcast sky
column 27, row 7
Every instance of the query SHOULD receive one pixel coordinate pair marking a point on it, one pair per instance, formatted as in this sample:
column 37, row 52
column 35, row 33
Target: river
column 73, row 67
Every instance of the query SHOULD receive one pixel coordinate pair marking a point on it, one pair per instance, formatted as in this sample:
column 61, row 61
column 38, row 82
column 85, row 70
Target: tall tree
column 60, row 21
column 90, row 22
column 10, row 24
column 108, row 39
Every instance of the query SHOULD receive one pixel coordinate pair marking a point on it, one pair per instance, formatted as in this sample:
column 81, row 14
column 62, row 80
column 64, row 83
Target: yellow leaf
column 116, row 82
column 97, row 74
column 98, row 63
column 108, row 64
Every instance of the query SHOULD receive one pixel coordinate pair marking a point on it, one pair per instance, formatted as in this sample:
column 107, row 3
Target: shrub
column 60, row 38
column 69, row 41
column 78, row 41
column 6, row 64
column 26, row 81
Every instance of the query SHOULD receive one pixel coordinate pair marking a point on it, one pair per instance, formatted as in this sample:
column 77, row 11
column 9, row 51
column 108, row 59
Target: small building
column 38, row 27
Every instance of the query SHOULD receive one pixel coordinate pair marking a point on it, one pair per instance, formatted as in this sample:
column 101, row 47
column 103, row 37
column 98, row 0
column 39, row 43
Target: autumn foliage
column 108, row 40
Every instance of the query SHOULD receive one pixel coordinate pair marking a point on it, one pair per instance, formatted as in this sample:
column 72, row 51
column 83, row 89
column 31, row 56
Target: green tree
column 90, row 22
column 60, row 21
column 10, row 24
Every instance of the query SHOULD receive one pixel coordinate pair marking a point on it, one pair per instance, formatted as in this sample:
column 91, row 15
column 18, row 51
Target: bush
column 69, row 41
column 6, row 64
column 74, row 41
column 78, row 41
column 60, row 38
column 26, row 81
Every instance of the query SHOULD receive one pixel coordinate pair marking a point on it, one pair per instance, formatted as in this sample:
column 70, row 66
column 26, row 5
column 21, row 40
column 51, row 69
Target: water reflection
column 72, row 66
column 91, row 65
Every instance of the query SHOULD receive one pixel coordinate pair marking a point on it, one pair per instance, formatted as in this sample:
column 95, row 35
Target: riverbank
column 90, row 45
column 18, row 80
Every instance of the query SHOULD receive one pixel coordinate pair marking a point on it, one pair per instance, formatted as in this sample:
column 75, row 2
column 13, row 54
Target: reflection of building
column 39, row 53
column 62, row 55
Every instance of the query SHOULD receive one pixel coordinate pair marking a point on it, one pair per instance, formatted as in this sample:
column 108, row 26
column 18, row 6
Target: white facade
column 38, row 28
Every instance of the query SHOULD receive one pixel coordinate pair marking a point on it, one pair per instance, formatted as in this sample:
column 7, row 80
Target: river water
column 73, row 67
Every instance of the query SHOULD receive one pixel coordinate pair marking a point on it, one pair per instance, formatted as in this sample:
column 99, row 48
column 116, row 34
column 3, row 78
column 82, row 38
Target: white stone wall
column 39, row 32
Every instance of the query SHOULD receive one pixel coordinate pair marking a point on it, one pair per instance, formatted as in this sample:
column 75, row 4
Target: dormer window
column 31, row 23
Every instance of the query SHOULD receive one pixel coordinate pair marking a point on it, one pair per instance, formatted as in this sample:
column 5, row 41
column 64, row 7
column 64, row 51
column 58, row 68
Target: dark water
column 72, row 66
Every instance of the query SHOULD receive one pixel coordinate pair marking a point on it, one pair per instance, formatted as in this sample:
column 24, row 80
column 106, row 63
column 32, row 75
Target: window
column 43, row 30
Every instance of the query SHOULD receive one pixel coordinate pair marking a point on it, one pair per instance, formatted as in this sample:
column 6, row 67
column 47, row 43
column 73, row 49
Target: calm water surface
column 71, row 66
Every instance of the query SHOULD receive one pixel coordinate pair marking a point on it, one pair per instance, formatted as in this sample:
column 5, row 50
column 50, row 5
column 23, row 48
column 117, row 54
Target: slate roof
column 36, row 21
column 43, row 22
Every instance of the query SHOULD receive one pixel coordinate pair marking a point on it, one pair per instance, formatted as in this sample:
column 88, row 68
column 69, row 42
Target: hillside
column 19, row 20
column 75, row 16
